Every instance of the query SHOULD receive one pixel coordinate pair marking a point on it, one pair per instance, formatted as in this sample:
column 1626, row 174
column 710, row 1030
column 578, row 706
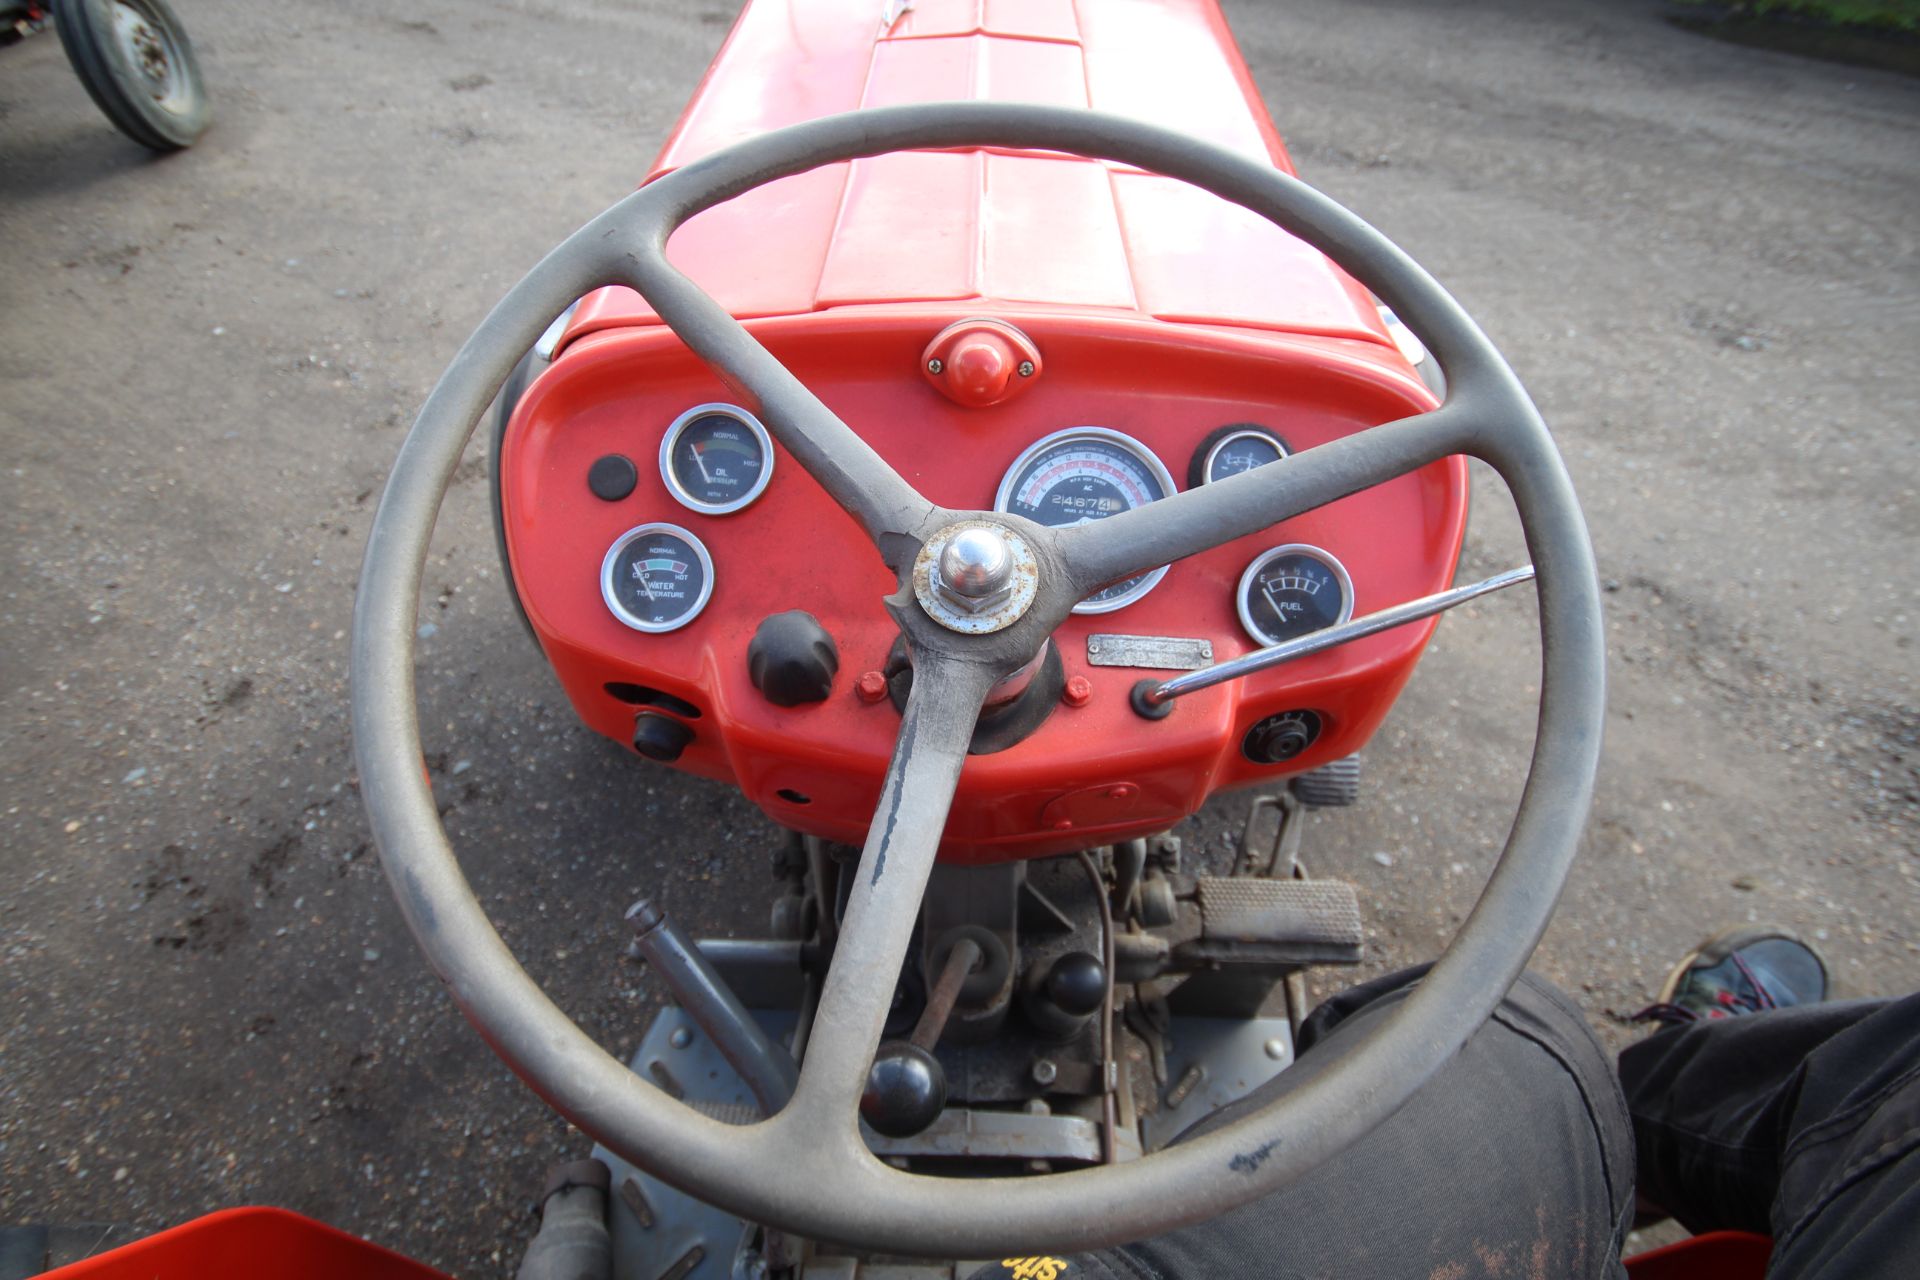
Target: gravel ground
column 1701, row 259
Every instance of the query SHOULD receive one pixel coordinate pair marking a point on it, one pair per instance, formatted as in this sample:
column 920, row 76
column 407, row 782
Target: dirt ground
column 1700, row 258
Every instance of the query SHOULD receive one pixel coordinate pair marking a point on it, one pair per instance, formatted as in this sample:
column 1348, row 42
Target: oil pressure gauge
column 716, row 458
column 1232, row 450
column 656, row 577
column 1082, row 474
column 1292, row 591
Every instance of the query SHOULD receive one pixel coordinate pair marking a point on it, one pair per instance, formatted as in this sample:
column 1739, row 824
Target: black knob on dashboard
column 905, row 1090
column 792, row 659
column 659, row 737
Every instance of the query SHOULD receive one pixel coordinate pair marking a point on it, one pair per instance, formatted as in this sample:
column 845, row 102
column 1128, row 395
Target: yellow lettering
column 1034, row 1268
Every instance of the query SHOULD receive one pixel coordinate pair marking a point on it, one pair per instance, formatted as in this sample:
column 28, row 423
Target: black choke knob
column 905, row 1090
column 792, row 659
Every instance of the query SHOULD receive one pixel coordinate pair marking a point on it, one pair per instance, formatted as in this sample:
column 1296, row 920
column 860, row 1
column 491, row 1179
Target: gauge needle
column 645, row 586
column 701, row 462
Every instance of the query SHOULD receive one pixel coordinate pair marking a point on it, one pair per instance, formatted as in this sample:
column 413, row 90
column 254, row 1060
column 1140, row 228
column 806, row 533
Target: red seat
column 248, row 1242
column 262, row 1241
column 1718, row 1255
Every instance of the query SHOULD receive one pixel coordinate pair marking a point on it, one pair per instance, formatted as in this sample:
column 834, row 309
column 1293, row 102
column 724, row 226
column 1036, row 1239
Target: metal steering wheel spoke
column 1112, row 550
column 855, row 476
column 901, row 844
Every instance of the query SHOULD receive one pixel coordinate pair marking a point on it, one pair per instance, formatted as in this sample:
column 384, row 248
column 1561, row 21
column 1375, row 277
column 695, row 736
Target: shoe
column 1741, row 971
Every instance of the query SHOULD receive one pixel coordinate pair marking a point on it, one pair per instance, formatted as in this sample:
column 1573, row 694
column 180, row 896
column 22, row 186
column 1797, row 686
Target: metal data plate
column 1155, row 653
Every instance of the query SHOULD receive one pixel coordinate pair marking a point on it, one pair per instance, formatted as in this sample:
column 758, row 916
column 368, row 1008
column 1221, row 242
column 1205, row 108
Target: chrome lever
column 1151, row 699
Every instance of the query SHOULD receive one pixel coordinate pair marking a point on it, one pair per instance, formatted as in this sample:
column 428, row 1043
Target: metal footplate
column 1294, row 922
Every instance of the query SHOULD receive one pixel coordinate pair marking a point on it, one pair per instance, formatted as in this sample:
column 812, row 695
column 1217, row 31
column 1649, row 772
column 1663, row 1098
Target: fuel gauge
column 1232, row 450
column 716, row 458
column 1292, row 591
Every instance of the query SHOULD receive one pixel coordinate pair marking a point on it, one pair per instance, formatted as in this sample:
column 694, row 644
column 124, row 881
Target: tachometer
column 656, row 577
column 1082, row 474
column 716, row 458
column 1292, row 591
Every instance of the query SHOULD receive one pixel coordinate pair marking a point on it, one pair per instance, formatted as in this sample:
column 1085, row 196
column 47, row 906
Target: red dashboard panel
column 1089, row 774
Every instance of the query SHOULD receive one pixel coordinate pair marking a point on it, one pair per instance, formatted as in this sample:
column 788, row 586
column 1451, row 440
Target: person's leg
column 1516, row 1159
column 1802, row 1123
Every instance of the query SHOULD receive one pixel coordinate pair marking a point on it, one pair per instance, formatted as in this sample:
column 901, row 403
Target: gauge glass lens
column 1083, row 474
column 1292, row 591
column 1241, row 449
column 656, row 577
column 716, row 458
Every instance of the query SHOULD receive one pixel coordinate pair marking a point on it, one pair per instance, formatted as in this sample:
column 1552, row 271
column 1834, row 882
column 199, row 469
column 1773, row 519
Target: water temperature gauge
column 1292, row 591
column 656, row 577
column 716, row 458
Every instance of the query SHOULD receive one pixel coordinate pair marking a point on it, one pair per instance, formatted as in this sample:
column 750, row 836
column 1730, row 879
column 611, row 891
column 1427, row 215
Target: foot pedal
column 1263, row 922
column 1334, row 785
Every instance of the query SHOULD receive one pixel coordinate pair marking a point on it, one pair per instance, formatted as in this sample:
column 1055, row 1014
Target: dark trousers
column 1518, row 1158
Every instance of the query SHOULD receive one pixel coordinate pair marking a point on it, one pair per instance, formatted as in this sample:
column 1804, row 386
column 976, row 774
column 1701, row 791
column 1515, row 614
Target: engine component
column 656, row 577
column 791, row 659
column 572, row 1241
column 716, row 458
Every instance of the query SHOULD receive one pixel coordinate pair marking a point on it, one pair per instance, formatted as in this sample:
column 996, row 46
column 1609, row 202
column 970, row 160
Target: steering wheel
column 806, row 1168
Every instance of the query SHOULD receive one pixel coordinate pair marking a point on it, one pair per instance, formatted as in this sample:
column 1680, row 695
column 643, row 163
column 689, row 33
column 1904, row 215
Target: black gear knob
column 905, row 1090
column 1077, row 983
column 792, row 659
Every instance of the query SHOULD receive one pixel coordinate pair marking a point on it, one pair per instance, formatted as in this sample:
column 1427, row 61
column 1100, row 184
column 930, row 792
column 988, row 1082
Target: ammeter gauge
column 1292, row 591
column 656, row 577
column 1083, row 474
column 1232, row 450
column 716, row 458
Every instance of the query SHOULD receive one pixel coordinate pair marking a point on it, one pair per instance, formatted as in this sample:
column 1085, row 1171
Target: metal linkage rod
column 767, row 1068
column 1320, row 641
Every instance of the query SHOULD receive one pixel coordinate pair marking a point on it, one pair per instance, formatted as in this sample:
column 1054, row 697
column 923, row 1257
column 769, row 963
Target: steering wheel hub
column 976, row 577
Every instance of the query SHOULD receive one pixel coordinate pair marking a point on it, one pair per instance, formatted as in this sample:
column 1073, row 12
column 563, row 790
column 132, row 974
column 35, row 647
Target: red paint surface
column 997, row 227
column 239, row 1244
column 1718, row 1255
column 1166, row 386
